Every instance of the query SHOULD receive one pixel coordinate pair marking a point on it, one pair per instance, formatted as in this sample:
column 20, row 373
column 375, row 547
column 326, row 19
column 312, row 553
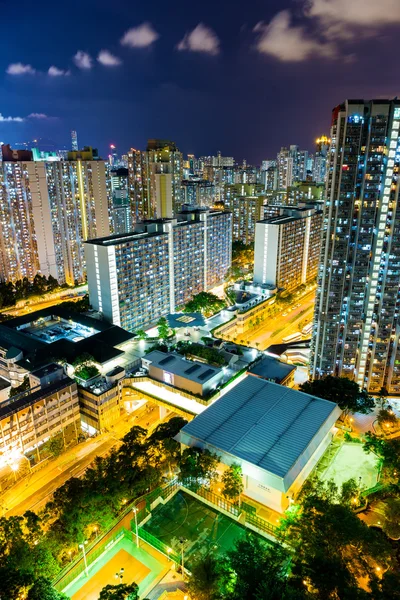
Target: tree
column 141, row 334
column 205, row 302
column 391, row 525
column 345, row 392
column 381, row 399
column 205, row 580
column 332, row 548
column 198, row 466
column 163, row 328
column 388, row 450
column 83, row 359
column 43, row 590
column 161, row 443
column 23, row 387
column 122, row 591
column 232, row 482
column 258, row 570
column 55, row 445
column 387, row 418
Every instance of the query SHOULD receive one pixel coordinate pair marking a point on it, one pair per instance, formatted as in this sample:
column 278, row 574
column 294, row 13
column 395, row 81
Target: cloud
column 20, row 69
column 10, row 119
column 83, row 60
column 355, row 13
column 140, row 37
column 38, row 116
column 201, row 39
column 107, row 59
column 56, row 72
column 287, row 42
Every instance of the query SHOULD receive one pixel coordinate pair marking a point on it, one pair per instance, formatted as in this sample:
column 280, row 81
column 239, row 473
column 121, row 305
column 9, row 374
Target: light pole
column 182, row 543
column 135, row 510
column 84, row 557
column 120, row 574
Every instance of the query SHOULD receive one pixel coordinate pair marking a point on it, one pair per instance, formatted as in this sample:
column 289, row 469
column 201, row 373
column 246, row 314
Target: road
column 32, row 492
column 38, row 303
column 274, row 329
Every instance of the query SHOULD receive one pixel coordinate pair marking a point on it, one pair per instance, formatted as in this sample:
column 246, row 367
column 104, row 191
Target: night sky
column 241, row 77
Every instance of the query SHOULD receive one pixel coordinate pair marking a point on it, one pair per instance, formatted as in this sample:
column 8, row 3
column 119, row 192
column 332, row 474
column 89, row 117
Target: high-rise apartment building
column 356, row 326
column 320, row 159
column 74, row 141
column 292, row 166
column 246, row 202
column 286, row 249
column 135, row 279
column 155, row 178
column 120, row 210
column 47, row 211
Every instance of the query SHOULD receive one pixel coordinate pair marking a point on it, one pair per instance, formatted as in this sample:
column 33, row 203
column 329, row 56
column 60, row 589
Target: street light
column 169, row 550
column 120, row 574
column 135, row 510
column 182, row 543
column 84, row 557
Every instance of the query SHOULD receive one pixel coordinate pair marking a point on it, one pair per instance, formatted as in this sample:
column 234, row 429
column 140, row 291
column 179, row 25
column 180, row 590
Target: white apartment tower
column 136, row 278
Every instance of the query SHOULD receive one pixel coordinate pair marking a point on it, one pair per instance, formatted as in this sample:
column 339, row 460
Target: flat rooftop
column 272, row 368
column 263, row 423
column 175, row 364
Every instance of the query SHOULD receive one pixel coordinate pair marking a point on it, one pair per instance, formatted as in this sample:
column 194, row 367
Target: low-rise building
column 29, row 419
column 273, row 369
column 188, row 375
column 276, row 434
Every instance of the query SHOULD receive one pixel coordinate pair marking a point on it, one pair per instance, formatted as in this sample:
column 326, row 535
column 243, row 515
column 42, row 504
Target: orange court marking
column 134, row 570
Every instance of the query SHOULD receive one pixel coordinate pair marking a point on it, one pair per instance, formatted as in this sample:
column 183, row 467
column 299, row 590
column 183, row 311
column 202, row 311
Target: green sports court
column 143, row 565
column 203, row 528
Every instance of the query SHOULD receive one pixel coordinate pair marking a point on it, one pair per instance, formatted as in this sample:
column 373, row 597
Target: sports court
column 142, row 565
column 203, row 527
column 352, row 462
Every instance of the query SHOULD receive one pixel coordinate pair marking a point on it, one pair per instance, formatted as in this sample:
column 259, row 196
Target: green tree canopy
column 204, row 302
column 122, row 591
column 332, row 548
column 345, row 392
column 232, row 482
column 198, row 466
column 43, row 590
column 163, row 328
column 388, row 450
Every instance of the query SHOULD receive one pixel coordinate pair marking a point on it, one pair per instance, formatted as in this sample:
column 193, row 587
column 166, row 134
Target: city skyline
column 230, row 84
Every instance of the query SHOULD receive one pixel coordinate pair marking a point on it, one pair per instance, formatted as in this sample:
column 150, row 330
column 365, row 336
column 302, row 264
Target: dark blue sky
column 227, row 88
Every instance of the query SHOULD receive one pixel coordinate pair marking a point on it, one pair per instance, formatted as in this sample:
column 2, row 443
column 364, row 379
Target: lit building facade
column 135, row 279
column 356, row 329
column 286, row 250
column 47, row 210
column 155, row 178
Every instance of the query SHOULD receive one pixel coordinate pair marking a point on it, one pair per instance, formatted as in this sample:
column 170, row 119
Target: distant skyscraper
column 135, row 279
column 356, row 325
column 155, row 178
column 74, row 141
column 47, row 211
column 246, row 202
column 320, row 159
column 292, row 166
column 120, row 210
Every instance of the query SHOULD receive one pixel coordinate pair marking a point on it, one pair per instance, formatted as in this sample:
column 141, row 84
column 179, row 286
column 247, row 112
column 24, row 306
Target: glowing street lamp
column 135, row 511
column 82, row 546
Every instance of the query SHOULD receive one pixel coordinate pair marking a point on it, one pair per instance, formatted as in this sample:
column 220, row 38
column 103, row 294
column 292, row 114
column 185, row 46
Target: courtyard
column 350, row 461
